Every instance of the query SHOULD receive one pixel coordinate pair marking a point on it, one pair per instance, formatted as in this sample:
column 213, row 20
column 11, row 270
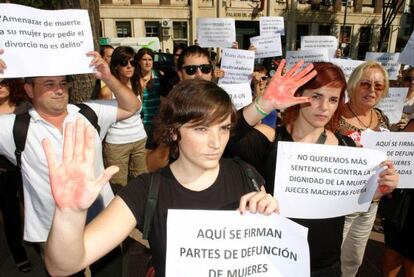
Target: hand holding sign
column 388, row 179
column 73, row 182
column 280, row 91
column 258, row 201
column 103, row 72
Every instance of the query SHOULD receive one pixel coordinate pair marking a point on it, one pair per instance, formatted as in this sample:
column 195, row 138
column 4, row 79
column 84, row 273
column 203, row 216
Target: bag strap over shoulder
column 151, row 203
column 248, row 174
column 20, row 128
column 90, row 114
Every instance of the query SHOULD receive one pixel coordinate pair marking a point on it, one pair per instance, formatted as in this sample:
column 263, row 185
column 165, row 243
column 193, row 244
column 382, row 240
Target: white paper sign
column 241, row 94
column 406, row 56
column 393, row 104
column 44, row 42
column 388, row 60
column 309, row 56
column 400, row 149
column 267, row 46
column 226, row 243
column 271, row 25
column 216, row 32
column 323, row 181
column 318, row 42
column 237, row 66
column 346, row 65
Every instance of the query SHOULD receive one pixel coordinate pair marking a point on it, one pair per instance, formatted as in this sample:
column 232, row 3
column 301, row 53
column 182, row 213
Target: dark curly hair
column 198, row 102
column 17, row 93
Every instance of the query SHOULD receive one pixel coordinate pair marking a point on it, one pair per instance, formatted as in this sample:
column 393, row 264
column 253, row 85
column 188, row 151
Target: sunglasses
column 408, row 79
column 368, row 85
column 125, row 63
column 264, row 78
column 192, row 69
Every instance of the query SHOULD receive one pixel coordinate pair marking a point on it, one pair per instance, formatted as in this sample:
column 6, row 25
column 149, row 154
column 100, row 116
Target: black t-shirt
column 223, row 194
column 324, row 235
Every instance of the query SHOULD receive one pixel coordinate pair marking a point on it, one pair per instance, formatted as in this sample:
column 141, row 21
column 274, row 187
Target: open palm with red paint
column 280, row 91
column 73, row 182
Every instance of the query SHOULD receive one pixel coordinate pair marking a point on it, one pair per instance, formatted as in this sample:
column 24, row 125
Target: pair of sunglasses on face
column 125, row 63
column 368, row 85
column 192, row 69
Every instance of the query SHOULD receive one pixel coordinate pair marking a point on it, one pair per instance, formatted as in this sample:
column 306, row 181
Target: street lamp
column 343, row 44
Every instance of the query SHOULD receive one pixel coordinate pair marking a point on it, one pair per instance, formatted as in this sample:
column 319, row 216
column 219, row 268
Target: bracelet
column 258, row 108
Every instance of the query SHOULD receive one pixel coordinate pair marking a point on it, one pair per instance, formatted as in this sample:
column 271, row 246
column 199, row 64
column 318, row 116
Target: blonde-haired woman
column 367, row 85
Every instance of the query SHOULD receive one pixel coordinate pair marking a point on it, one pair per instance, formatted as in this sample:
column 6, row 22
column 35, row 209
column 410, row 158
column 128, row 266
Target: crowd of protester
column 175, row 124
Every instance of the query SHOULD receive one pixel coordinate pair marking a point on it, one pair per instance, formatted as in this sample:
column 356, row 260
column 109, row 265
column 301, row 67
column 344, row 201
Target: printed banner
column 216, row 32
column 241, row 94
column 44, row 42
column 319, row 42
column 399, row 147
column 346, row 65
column 393, row 104
column 225, row 243
column 237, row 65
column 309, row 56
column 323, row 181
column 269, row 46
column 271, row 25
column 388, row 60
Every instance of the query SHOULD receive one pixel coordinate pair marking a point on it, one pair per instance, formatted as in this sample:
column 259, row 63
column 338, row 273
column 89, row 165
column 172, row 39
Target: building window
column 384, row 44
column 345, row 40
column 123, row 29
column 100, row 29
column 364, row 42
column 152, row 29
column 324, row 30
column 180, row 29
column 368, row 3
column 302, row 30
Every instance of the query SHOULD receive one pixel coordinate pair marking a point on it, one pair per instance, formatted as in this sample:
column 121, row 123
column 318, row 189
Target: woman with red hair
column 310, row 122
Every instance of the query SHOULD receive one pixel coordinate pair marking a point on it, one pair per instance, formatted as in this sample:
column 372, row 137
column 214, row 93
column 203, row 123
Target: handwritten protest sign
column 400, row 149
column 216, row 32
column 226, row 243
column 346, row 65
column 237, row 66
column 271, row 25
column 43, row 42
column 393, row 104
column 323, row 181
column 406, row 56
column 309, row 56
column 388, row 60
column 318, row 42
column 267, row 46
column 241, row 94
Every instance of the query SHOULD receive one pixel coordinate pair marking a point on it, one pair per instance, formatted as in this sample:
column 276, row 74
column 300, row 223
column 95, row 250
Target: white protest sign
column 388, row 60
column 44, row 42
column 271, row 25
column 216, row 32
column 318, row 42
column 225, row 243
column 393, row 104
column 309, row 56
column 400, row 149
column 323, row 181
column 406, row 56
column 267, row 46
column 241, row 94
column 237, row 66
column 346, row 65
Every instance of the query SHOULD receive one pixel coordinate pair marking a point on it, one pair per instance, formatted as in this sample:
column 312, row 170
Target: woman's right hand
column 73, row 182
column 280, row 91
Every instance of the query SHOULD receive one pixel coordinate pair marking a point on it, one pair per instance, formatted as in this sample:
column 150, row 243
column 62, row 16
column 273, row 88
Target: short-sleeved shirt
column 38, row 200
column 223, row 194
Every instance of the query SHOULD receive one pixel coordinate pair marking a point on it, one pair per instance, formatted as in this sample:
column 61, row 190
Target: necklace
column 362, row 123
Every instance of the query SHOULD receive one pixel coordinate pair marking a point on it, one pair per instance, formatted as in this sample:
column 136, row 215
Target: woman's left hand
column 388, row 179
column 258, row 201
